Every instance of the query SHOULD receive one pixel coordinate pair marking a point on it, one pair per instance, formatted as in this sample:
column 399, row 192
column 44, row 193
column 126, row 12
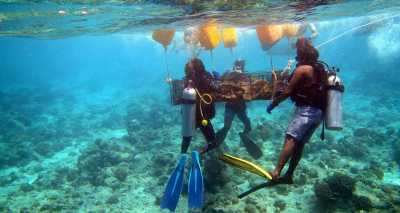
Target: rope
column 354, row 29
column 270, row 61
column 166, row 62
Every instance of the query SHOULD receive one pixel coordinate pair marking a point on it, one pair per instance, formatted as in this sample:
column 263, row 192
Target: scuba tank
column 334, row 113
column 188, row 111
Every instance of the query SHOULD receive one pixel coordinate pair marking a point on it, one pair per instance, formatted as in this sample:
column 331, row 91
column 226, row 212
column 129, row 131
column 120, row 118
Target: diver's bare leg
column 286, row 152
column 294, row 161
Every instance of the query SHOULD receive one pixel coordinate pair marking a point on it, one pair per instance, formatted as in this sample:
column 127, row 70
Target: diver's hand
column 270, row 108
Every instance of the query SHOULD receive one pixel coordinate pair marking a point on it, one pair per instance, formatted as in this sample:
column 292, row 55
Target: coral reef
column 60, row 152
column 15, row 155
column 93, row 163
column 149, row 122
column 335, row 188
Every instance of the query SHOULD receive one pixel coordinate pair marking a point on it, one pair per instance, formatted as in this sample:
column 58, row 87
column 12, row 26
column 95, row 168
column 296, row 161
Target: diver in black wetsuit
column 238, row 107
column 235, row 107
column 204, row 83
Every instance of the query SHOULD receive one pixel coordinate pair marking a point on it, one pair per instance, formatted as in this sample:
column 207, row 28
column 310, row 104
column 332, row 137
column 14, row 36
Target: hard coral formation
column 265, row 130
column 280, row 205
column 335, row 188
column 121, row 171
column 216, row 175
column 148, row 120
column 15, row 155
column 337, row 191
column 361, row 203
column 94, row 161
column 396, row 151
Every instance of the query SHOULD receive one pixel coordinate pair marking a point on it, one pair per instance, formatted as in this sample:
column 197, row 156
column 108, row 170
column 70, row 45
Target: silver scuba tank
column 334, row 113
column 188, row 112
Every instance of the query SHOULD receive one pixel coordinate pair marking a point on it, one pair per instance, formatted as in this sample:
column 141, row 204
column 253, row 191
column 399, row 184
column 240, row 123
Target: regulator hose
column 203, row 97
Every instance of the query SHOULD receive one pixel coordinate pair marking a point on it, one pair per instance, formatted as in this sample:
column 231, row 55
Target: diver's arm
column 298, row 74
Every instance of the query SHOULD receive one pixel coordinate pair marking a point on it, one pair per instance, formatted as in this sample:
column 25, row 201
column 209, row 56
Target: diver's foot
column 275, row 175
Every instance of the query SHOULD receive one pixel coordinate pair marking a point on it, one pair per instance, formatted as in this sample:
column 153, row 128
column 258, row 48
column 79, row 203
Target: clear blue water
column 67, row 81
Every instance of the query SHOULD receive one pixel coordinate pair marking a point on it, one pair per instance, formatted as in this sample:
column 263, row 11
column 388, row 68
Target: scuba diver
column 203, row 83
column 307, row 89
column 238, row 107
column 197, row 111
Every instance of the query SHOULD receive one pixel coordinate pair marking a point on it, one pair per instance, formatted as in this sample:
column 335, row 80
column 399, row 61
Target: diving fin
column 245, row 165
column 174, row 186
column 281, row 180
column 258, row 187
column 195, row 189
column 252, row 148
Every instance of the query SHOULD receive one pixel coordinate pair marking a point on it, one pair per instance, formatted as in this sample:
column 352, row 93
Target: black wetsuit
column 234, row 107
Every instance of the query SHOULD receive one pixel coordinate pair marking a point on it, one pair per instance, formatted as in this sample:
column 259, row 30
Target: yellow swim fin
column 245, row 165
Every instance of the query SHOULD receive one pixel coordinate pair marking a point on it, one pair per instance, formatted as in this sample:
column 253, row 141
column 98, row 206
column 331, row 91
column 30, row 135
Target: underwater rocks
column 113, row 199
column 216, row 178
column 389, row 196
column 162, row 166
column 48, row 148
column 343, row 147
column 94, row 162
column 265, row 130
column 26, row 187
column 335, row 188
column 396, row 146
column 113, row 120
column 279, row 205
column 337, row 191
column 8, row 179
column 121, row 171
column 361, row 203
column 375, row 169
column 369, row 136
column 215, row 173
column 149, row 120
column 151, row 114
column 15, row 154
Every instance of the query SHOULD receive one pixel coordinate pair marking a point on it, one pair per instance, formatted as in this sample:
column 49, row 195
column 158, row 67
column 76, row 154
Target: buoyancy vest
column 312, row 94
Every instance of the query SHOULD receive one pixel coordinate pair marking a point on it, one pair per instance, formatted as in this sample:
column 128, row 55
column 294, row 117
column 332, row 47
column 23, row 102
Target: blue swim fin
column 174, row 186
column 196, row 189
